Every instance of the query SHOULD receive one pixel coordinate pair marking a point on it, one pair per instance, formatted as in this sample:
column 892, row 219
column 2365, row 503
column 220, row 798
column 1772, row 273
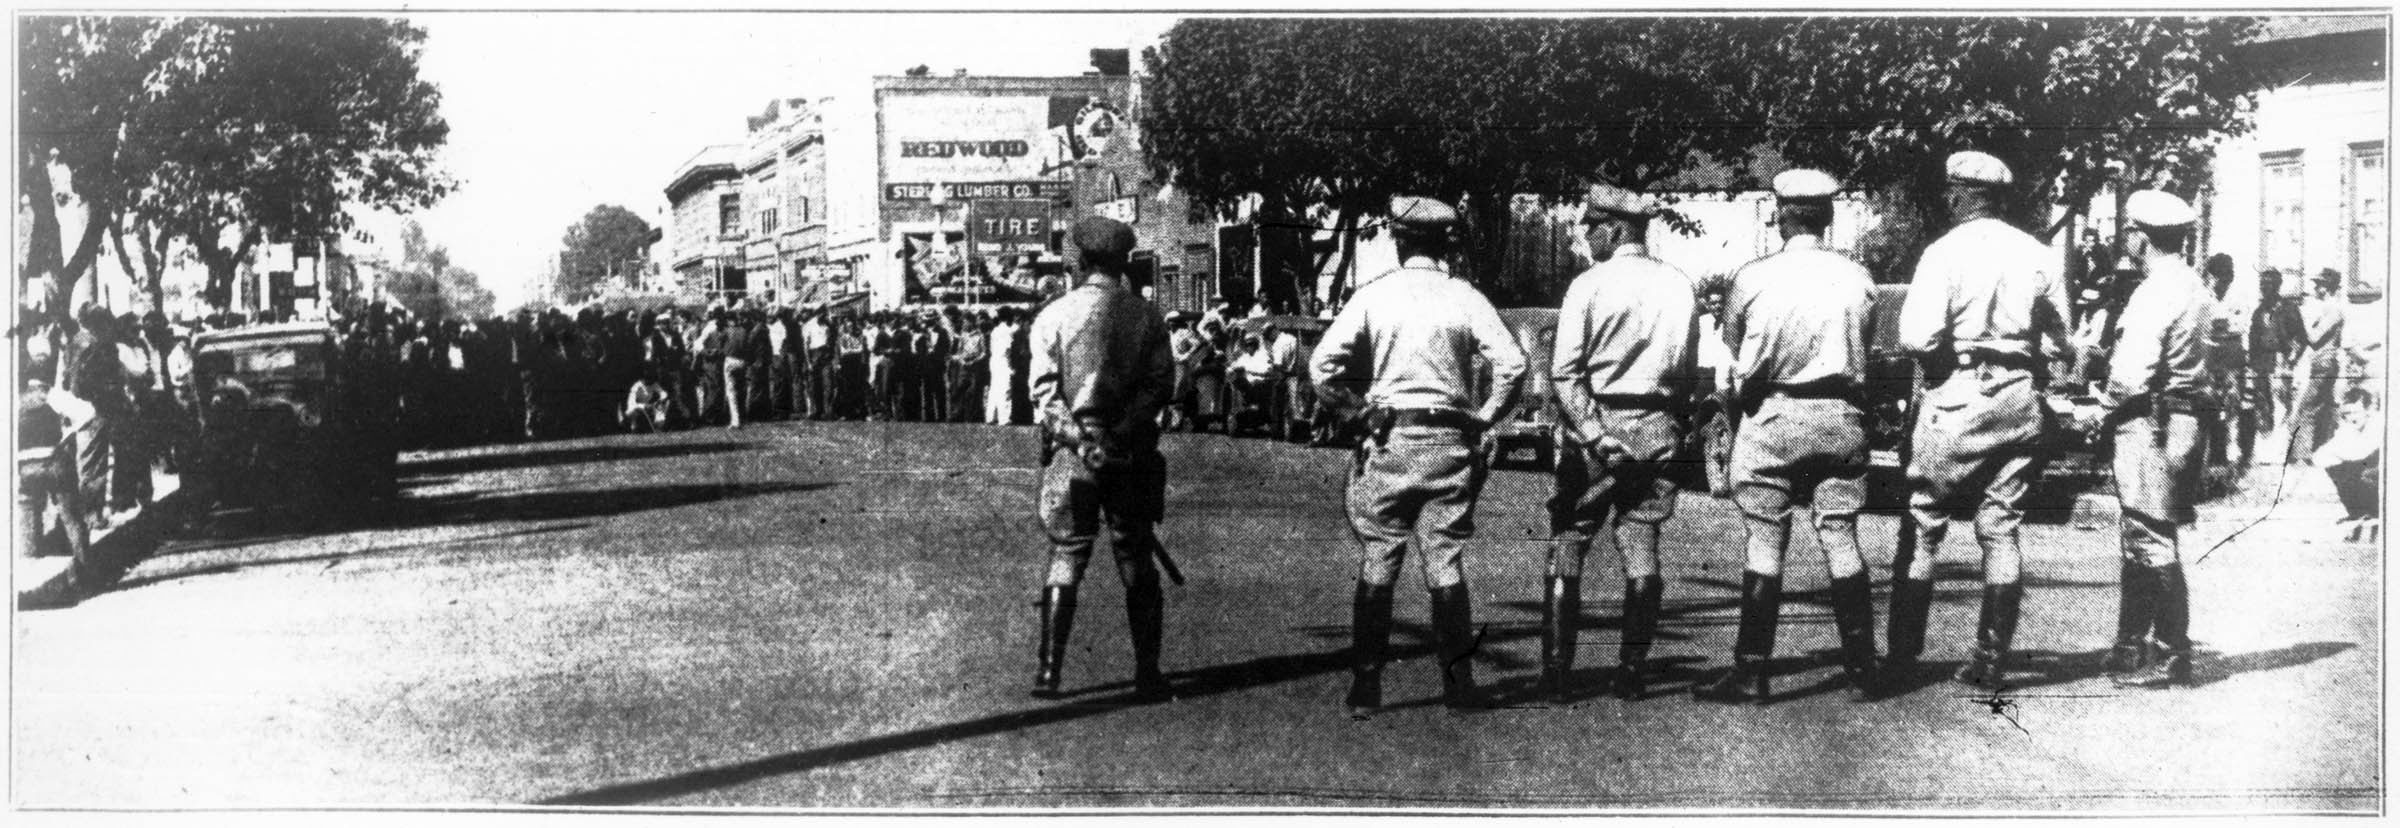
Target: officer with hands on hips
column 1408, row 343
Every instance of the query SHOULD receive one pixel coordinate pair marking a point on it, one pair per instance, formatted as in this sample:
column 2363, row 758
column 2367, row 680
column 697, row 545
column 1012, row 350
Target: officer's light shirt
column 1799, row 317
column 1986, row 286
column 2162, row 335
column 1628, row 327
column 1099, row 350
column 1422, row 330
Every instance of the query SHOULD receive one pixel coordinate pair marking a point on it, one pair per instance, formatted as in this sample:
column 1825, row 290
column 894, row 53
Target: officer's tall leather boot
column 1562, row 605
column 1642, row 596
column 1454, row 646
column 1753, row 644
column 2137, row 599
column 2173, row 667
column 1370, row 635
column 1058, row 620
column 1912, row 601
column 1854, row 620
column 1994, row 629
column 1146, row 617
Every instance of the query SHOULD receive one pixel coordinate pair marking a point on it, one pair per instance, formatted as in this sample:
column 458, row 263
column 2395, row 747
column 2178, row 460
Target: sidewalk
column 41, row 582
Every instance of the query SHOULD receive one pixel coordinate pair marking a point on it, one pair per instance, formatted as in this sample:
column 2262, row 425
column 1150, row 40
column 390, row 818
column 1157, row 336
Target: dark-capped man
column 1624, row 373
column 1100, row 371
column 1408, row 342
column 1986, row 312
column 1798, row 323
column 2156, row 374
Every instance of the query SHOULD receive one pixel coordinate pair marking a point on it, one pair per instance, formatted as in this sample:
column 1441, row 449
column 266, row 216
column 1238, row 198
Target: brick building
column 706, row 233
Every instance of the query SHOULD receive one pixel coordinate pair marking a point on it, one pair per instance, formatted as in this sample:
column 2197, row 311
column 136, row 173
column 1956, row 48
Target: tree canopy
column 429, row 286
column 222, row 133
column 1343, row 113
column 607, row 243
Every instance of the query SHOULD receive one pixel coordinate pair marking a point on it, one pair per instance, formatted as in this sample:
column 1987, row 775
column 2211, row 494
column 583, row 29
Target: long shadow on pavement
column 502, row 458
column 330, row 558
column 257, row 526
column 1201, row 683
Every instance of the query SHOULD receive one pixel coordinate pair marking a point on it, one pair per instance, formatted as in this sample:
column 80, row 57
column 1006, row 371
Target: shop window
column 2367, row 199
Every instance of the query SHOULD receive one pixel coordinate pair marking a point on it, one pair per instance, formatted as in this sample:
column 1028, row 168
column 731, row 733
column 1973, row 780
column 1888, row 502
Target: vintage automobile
column 286, row 419
column 1525, row 433
column 1285, row 406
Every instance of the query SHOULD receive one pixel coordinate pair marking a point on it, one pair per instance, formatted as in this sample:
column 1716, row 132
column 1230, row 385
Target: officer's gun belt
column 2174, row 402
column 1431, row 418
column 1821, row 390
column 1971, row 357
column 1640, row 402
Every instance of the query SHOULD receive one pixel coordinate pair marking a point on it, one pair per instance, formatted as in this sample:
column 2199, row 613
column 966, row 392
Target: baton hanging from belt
column 1165, row 561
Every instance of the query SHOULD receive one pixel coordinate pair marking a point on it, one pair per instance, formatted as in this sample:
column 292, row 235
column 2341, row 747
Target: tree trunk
column 1487, row 243
column 1345, row 232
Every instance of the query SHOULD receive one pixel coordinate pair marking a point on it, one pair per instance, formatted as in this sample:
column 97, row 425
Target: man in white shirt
column 1408, row 344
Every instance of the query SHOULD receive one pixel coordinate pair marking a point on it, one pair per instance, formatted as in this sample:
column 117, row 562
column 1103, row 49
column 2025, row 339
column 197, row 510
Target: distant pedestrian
column 2320, row 366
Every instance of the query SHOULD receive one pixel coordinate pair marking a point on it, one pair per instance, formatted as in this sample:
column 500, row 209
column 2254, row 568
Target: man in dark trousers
column 1409, row 344
column 1100, row 373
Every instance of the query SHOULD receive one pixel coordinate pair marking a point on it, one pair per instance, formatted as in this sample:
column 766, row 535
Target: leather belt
column 1637, row 402
column 1432, row 418
column 1996, row 359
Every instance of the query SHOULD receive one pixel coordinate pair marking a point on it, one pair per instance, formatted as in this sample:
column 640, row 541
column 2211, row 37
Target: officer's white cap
column 2155, row 208
column 1805, row 185
column 1611, row 198
column 1971, row 167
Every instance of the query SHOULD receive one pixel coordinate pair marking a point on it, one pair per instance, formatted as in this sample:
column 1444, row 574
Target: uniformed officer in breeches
column 1408, row 341
column 2155, row 374
column 1100, row 371
column 1798, row 324
column 1625, row 376
column 1985, row 313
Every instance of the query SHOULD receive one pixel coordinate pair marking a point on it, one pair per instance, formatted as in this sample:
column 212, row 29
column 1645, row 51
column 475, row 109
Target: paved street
column 840, row 615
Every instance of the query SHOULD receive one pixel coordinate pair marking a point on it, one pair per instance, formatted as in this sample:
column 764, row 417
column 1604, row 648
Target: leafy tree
column 608, row 243
column 429, row 286
column 2072, row 104
column 1346, row 113
column 84, row 85
column 304, row 119
column 221, row 133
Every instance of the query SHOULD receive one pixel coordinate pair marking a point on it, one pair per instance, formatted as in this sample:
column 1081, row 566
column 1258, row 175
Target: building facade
column 2309, row 188
column 707, row 231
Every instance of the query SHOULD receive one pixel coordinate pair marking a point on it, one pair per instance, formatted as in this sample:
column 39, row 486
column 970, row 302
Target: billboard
column 985, row 138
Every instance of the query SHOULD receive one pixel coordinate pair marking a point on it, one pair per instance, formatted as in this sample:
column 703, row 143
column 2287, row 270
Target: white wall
column 2322, row 122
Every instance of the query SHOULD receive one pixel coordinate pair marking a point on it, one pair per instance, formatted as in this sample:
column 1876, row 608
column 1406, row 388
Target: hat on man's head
column 1805, row 185
column 1103, row 236
column 1421, row 217
column 1610, row 198
column 2159, row 209
column 1971, row 167
column 2328, row 276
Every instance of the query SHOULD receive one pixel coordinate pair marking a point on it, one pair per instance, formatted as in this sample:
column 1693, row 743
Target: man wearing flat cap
column 1798, row 322
column 1624, row 375
column 2156, row 375
column 1099, row 373
column 1986, row 312
column 1408, row 344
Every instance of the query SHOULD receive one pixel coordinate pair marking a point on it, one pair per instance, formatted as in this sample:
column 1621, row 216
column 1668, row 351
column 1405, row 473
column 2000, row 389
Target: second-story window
column 766, row 220
column 729, row 214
